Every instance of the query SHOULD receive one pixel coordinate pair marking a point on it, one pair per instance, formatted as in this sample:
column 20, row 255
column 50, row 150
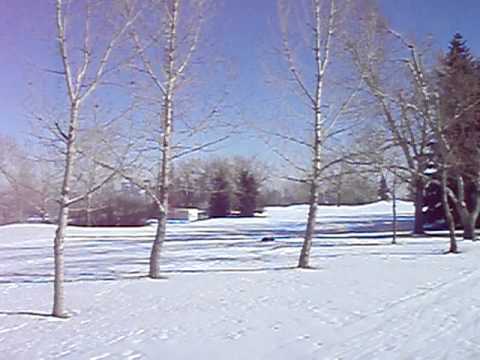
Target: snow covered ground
column 227, row 295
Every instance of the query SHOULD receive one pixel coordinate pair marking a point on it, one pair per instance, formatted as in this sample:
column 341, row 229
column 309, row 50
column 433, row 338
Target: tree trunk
column 89, row 210
column 304, row 261
column 164, row 186
column 394, row 209
column 448, row 214
column 469, row 227
column 339, row 189
column 58, row 290
column 419, row 202
column 467, row 217
column 156, row 251
column 321, row 66
column 164, row 178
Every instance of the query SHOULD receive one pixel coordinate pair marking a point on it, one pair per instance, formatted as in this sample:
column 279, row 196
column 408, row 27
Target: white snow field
column 227, row 295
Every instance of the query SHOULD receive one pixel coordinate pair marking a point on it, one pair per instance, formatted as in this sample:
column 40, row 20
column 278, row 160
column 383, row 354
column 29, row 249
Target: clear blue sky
column 244, row 30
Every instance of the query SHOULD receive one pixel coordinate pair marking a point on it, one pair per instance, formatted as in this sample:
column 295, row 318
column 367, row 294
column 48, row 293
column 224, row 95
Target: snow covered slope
column 230, row 296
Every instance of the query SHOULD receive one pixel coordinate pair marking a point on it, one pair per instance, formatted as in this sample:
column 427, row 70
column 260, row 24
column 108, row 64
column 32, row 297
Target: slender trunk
column 476, row 210
column 469, row 227
column 462, row 208
column 339, row 190
column 21, row 208
column 394, row 209
column 89, row 200
column 448, row 214
column 321, row 66
column 155, row 253
column 419, row 202
column 164, row 183
column 58, row 290
column 89, row 210
column 164, row 186
column 304, row 261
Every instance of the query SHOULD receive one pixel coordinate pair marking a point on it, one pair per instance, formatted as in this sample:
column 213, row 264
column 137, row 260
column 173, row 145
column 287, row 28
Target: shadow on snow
column 235, row 250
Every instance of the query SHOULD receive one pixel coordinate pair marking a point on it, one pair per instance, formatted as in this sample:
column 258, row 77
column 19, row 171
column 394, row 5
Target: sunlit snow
column 228, row 295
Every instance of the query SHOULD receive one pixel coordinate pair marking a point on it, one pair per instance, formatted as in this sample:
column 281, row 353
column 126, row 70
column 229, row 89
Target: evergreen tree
column 248, row 190
column 459, row 90
column 220, row 200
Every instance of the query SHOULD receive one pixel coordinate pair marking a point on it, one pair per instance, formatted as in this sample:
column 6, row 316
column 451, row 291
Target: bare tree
column 426, row 104
column 82, row 78
column 166, row 45
column 379, row 58
column 310, row 60
column 99, row 141
column 394, row 207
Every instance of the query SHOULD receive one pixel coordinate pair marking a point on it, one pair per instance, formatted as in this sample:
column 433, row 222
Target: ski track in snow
column 228, row 295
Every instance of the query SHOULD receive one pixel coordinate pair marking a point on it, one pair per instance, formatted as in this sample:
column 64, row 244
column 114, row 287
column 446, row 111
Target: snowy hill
column 229, row 295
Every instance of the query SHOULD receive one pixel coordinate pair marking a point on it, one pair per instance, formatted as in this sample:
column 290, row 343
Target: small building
column 184, row 214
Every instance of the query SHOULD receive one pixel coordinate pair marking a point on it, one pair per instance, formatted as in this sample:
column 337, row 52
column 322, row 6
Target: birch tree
column 167, row 45
column 82, row 75
column 312, row 33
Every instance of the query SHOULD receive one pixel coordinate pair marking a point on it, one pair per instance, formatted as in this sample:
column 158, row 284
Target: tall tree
column 167, row 44
column 378, row 56
column 82, row 77
column 459, row 101
column 312, row 36
column 428, row 104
